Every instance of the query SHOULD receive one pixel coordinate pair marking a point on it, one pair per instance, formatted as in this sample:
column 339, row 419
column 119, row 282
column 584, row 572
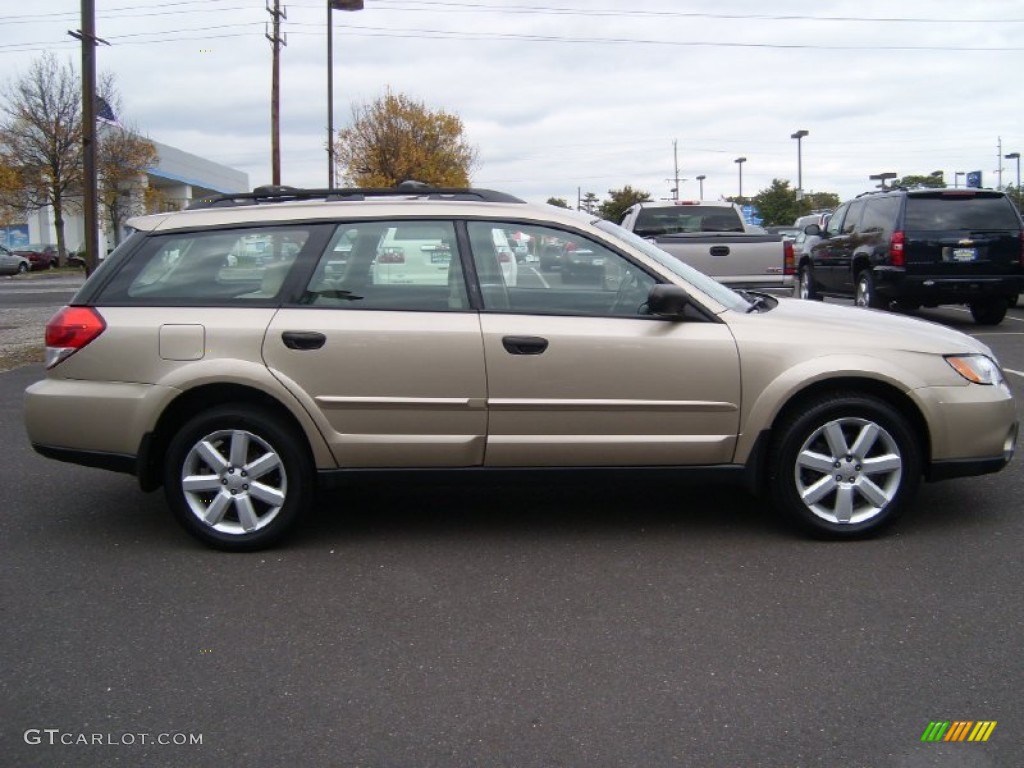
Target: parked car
column 40, row 255
column 242, row 390
column 926, row 247
column 715, row 238
column 12, row 263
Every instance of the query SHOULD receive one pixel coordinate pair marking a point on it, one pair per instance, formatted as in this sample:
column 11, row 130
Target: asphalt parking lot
column 607, row 624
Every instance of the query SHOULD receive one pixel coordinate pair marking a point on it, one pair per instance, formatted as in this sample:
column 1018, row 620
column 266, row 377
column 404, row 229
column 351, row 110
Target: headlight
column 977, row 369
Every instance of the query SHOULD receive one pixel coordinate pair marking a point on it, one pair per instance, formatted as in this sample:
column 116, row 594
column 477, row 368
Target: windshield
column 698, row 280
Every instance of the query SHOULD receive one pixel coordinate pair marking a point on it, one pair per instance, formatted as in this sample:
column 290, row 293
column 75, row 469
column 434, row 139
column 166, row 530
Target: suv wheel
column 866, row 295
column 805, row 284
column 989, row 312
column 237, row 478
column 845, row 466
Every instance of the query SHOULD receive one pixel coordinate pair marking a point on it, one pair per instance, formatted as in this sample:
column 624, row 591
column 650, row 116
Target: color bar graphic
column 958, row 730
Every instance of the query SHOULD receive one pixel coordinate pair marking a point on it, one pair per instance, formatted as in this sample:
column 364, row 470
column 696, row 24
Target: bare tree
column 122, row 157
column 41, row 138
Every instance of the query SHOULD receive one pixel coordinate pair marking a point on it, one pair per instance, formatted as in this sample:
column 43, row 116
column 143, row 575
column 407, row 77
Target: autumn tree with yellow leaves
column 397, row 138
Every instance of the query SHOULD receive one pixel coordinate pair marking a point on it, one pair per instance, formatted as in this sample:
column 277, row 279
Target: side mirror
column 667, row 300
column 813, row 229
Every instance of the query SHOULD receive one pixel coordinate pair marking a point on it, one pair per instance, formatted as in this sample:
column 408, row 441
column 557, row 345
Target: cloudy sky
column 570, row 96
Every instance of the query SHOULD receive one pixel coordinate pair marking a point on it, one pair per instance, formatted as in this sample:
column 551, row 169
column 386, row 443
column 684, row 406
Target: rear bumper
column 897, row 284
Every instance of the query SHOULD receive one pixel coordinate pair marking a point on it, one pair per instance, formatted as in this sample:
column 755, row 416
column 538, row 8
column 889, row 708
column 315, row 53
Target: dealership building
column 179, row 177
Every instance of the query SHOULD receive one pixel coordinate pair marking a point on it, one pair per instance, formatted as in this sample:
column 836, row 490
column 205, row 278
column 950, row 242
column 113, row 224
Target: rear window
column 960, row 213
column 651, row 222
column 210, row 267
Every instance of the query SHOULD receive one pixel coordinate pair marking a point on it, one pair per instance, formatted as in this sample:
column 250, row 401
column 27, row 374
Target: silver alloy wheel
column 863, row 295
column 234, row 481
column 805, row 290
column 848, row 471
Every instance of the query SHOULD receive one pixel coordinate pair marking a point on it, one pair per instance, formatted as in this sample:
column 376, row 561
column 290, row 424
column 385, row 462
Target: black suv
column 913, row 248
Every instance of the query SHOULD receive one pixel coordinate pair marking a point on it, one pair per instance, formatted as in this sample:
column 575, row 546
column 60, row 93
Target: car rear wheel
column 989, row 311
column 866, row 295
column 805, row 288
column 844, row 466
column 22, row 267
column 237, row 478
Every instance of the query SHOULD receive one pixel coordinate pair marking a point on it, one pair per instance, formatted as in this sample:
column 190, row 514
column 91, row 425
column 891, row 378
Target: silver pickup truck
column 714, row 238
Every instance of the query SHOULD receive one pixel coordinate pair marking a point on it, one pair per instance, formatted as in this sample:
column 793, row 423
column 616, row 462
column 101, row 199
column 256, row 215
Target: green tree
column 621, row 200
column 821, row 201
column 589, row 202
column 397, row 138
column 931, row 181
column 1016, row 194
column 558, row 202
column 41, row 138
column 778, row 204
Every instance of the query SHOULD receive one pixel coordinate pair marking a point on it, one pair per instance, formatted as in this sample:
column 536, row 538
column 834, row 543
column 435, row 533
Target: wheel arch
column 193, row 401
column 892, row 395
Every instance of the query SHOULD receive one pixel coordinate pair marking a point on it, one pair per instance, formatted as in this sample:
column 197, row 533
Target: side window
column 879, row 215
column 527, row 268
column 835, row 223
column 852, row 220
column 398, row 265
column 235, row 267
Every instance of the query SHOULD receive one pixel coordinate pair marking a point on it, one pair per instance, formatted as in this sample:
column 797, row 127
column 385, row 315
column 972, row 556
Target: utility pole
column 999, row 161
column 675, row 160
column 276, row 41
column 87, row 34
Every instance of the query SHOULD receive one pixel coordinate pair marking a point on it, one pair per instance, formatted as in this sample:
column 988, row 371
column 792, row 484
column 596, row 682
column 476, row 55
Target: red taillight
column 391, row 256
column 70, row 330
column 788, row 259
column 897, row 252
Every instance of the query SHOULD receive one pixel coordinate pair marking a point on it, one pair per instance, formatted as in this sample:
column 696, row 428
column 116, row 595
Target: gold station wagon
column 239, row 382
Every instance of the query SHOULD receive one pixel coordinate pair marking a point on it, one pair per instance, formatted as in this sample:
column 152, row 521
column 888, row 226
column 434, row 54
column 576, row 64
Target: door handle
column 303, row 339
column 524, row 345
column 719, row 250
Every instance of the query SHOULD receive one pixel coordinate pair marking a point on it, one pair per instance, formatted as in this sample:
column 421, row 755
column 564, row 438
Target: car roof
column 244, row 209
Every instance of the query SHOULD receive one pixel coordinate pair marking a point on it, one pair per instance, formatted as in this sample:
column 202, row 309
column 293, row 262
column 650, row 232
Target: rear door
column 962, row 233
column 393, row 372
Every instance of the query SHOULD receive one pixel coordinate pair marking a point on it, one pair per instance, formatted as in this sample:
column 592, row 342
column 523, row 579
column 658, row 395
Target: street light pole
column 740, row 161
column 333, row 5
column 701, row 180
column 881, row 178
column 799, row 164
column 1016, row 156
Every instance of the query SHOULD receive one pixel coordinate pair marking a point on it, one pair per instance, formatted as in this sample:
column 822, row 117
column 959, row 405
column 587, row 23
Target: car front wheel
column 844, row 466
column 805, row 284
column 237, row 478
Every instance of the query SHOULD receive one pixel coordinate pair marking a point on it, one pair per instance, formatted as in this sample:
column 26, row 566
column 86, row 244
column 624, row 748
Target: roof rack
column 408, row 189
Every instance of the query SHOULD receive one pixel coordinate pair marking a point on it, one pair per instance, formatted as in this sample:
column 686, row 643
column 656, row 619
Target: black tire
column 22, row 267
column 989, row 311
column 844, row 466
column 866, row 295
column 805, row 287
column 252, row 505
